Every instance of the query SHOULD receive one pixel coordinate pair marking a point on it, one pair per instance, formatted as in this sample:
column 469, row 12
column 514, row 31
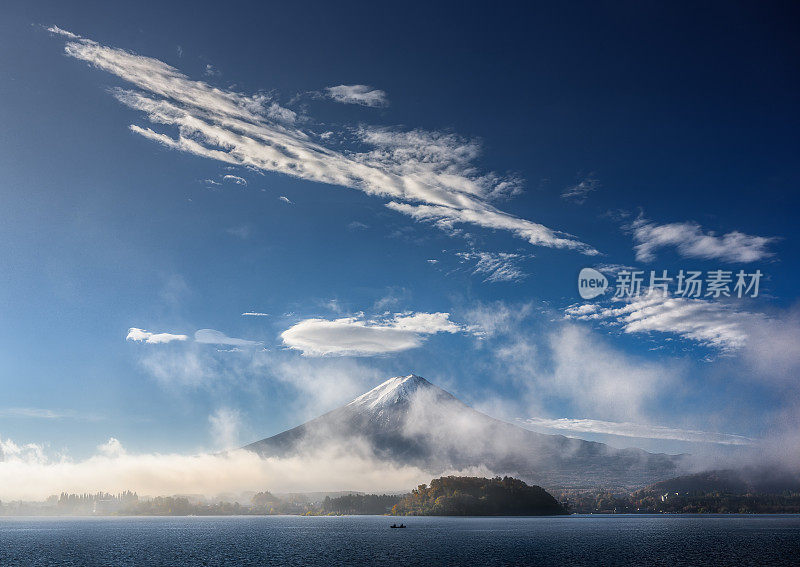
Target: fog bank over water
column 27, row 474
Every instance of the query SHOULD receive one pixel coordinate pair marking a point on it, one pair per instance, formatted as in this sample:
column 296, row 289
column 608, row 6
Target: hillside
column 743, row 481
column 471, row 496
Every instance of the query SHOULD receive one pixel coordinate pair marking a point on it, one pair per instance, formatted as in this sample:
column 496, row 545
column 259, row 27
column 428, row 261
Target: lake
column 368, row 540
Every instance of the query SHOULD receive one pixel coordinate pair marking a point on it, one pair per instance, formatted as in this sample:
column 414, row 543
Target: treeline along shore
column 717, row 492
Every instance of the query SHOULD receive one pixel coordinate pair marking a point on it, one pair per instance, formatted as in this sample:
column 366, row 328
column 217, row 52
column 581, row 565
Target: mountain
column 747, row 480
column 408, row 420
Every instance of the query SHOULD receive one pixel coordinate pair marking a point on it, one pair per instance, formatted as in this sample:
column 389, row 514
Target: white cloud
column 710, row 323
column 212, row 337
column 496, row 266
column 547, row 363
column 488, row 217
column 580, row 191
column 433, row 170
column 111, row 448
column 27, row 473
column 425, row 160
column 191, row 367
column 286, row 199
column 140, row 335
column 281, row 114
column 58, row 31
column 613, row 269
column 637, row 430
column 244, row 231
column 254, row 314
column 28, row 453
column 690, row 241
column 40, row 413
column 771, row 351
column 211, row 71
column 235, row 179
column 356, row 336
column 347, row 337
column 225, row 424
column 357, row 94
column 497, row 318
column 393, row 297
column 598, row 378
column 322, row 384
column 426, row 323
column 334, row 305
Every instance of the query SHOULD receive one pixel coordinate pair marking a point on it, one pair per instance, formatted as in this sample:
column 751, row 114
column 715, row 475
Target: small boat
column 396, row 526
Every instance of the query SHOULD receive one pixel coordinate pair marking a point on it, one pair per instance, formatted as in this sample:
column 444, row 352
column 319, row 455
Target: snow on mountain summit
column 393, row 391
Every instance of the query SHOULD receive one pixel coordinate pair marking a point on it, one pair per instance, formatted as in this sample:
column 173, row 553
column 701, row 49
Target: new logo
column 591, row 283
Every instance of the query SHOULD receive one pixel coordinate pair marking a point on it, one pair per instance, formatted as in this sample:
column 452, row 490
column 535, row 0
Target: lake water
column 368, row 540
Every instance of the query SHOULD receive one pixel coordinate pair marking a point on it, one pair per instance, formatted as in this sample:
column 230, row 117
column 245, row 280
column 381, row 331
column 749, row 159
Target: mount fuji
column 409, row 421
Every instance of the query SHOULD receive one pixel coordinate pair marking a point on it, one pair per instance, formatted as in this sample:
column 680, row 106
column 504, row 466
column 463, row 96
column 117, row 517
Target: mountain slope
column 408, row 420
column 747, row 480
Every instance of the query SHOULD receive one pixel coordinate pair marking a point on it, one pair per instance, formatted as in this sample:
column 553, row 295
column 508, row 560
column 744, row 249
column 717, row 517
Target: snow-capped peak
column 391, row 392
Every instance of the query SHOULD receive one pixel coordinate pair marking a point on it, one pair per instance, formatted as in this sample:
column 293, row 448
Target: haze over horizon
column 215, row 231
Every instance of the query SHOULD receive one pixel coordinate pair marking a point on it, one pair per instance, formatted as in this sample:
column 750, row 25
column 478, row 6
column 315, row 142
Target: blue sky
column 441, row 176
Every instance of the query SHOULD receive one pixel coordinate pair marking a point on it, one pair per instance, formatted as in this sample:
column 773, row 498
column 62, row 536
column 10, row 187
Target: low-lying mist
column 27, row 474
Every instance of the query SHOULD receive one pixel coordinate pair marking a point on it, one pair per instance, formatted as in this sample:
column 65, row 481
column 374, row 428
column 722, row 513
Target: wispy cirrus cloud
column 691, row 241
column 363, row 95
column 637, row 430
column 711, row 323
column 143, row 336
column 757, row 345
column 426, row 175
column 446, row 217
column 495, row 266
column 40, row 413
column 579, row 192
column 358, row 336
column 58, row 31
